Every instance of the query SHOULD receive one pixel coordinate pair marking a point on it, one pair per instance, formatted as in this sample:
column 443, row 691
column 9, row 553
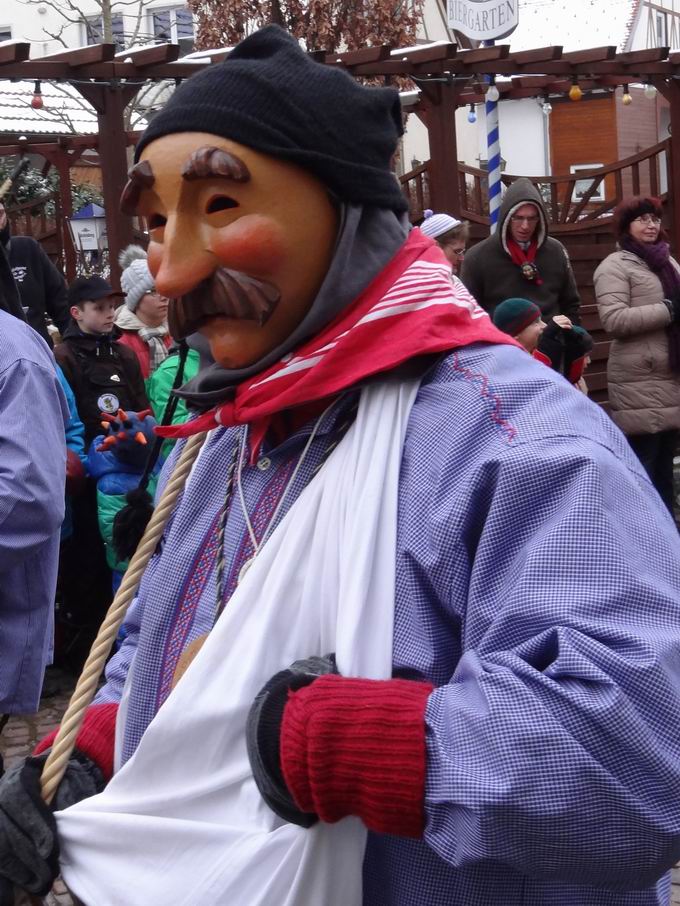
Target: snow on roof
column 573, row 24
column 64, row 110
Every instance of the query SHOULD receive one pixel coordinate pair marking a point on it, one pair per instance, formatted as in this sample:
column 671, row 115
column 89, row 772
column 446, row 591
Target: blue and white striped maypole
column 493, row 154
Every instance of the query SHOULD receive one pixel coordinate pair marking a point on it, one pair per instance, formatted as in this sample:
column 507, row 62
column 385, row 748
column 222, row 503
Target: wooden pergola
column 448, row 77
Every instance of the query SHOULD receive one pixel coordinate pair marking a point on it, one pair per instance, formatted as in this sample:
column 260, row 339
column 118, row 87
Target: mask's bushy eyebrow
column 139, row 177
column 211, row 163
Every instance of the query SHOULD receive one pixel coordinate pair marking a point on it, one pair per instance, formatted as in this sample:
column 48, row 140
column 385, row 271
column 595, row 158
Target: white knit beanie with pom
column 435, row 225
column 136, row 280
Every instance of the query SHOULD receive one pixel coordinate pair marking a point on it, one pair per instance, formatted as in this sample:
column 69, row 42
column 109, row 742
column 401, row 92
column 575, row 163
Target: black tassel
column 130, row 522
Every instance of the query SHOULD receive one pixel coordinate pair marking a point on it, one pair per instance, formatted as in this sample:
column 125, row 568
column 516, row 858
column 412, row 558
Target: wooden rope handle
column 56, row 763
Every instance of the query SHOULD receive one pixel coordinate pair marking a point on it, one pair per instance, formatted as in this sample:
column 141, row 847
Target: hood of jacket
column 521, row 191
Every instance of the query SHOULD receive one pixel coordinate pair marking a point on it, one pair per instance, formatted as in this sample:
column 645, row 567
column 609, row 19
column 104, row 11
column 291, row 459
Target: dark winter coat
column 492, row 276
column 41, row 286
column 104, row 376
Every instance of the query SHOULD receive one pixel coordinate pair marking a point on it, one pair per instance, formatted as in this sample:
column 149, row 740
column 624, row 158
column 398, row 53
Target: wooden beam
column 539, row 55
column 590, row 55
column 484, row 54
column 651, row 55
column 359, row 57
column 150, row 55
column 420, row 55
column 82, row 56
column 14, row 51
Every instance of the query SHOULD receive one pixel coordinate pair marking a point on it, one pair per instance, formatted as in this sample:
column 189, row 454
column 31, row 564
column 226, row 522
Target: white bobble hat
column 136, row 280
column 437, row 224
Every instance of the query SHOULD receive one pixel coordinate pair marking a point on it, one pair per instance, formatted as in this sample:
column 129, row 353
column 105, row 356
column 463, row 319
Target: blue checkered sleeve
column 554, row 746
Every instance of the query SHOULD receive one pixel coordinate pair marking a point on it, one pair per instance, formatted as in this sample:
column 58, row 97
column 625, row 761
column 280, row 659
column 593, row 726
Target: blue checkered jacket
column 538, row 588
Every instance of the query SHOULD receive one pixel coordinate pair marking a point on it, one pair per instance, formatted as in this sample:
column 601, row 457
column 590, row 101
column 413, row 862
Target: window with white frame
column 174, row 25
column 94, row 30
column 582, row 186
column 661, row 29
column 5, row 32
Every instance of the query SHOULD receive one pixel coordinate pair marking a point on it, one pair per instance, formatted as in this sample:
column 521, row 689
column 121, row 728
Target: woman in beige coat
column 638, row 297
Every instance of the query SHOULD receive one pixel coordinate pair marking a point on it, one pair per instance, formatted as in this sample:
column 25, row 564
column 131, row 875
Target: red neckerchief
column 412, row 308
column 525, row 260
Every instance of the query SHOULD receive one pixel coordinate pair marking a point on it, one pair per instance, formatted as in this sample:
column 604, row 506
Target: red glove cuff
column 357, row 747
column 96, row 737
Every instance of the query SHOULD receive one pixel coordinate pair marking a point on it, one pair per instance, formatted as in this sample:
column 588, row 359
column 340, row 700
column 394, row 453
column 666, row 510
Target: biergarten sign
column 483, row 20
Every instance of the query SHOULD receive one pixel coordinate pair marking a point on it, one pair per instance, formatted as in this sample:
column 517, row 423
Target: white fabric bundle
column 183, row 822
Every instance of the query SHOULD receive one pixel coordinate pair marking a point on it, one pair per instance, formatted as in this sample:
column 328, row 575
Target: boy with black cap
column 105, row 375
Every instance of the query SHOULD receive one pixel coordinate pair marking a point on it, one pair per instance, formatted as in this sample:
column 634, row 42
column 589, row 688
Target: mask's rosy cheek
column 254, row 244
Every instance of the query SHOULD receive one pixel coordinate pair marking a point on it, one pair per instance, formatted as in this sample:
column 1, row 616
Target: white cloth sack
column 183, row 822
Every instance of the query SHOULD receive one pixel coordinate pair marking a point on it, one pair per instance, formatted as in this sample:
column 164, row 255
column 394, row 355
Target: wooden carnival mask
column 238, row 241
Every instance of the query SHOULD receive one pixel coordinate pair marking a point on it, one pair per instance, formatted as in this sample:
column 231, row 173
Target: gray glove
column 29, row 849
column 263, row 730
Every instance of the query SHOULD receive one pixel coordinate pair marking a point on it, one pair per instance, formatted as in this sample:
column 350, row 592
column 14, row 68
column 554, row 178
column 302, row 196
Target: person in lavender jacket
column 33, row 413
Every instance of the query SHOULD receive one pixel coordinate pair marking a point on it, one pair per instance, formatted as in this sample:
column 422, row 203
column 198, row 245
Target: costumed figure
column 412, row 633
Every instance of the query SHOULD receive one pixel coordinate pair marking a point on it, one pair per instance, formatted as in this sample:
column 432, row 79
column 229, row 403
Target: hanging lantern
column 37, row 99
column 575, row 93
column 650, row 91
column 472, row 115
column 627, row 98
column 492, row 93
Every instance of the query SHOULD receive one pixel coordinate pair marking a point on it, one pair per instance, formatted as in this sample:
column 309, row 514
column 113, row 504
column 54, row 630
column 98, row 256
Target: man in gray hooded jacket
column 521, row 260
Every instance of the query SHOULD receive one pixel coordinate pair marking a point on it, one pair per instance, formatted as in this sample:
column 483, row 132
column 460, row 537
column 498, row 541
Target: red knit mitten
column 95, row 738
column 357, row 747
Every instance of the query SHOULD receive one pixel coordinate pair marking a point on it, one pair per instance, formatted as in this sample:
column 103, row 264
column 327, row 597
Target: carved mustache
column 226, row 292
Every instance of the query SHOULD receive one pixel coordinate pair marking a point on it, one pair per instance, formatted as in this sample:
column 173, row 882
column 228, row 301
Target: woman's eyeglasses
column 648, row 218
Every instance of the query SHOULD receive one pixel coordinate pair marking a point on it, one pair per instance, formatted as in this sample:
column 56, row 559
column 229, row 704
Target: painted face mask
column 238, row 241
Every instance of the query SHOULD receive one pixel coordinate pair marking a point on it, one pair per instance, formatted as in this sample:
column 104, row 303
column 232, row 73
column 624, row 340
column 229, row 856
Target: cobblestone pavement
column 22, row 733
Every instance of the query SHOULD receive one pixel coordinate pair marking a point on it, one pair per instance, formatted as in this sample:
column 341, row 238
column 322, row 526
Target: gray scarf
column 368, row 239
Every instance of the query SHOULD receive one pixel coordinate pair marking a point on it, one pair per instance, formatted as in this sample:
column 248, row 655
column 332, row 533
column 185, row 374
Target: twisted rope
column 55, row 766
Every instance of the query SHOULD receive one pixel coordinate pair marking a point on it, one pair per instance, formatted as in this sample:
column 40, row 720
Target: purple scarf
column 657, row 257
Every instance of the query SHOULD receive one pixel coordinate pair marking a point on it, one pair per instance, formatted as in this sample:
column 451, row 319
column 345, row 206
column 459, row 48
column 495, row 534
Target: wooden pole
column 671, row 91
column 110, row 100
column 441, row 127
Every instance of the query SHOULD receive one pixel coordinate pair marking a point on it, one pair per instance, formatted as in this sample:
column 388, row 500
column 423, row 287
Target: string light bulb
column 575, row 93
column 37, row 102
column 472, row 115
column 650, row 91
column 627, row 98
column 492, row 93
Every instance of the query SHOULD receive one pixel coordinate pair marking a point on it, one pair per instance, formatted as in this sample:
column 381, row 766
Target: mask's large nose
column 184, row 260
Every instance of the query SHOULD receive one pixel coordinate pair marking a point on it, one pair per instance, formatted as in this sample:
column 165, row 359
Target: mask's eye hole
column 220, row 203
column 156, row 221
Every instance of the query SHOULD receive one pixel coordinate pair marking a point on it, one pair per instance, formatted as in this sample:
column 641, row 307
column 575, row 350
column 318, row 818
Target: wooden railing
column 573, row 202
column 37, row 217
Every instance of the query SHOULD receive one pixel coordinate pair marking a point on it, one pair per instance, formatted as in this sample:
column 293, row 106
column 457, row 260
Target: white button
column 264, row 463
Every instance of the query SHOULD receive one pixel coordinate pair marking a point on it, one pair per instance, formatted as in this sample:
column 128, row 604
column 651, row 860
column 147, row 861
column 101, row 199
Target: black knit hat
column 271, row 96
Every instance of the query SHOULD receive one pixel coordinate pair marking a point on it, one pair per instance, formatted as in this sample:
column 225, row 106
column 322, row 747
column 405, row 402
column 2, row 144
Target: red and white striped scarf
column 411, row 308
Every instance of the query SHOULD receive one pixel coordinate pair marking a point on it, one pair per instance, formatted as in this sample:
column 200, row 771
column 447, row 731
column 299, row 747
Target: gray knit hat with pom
column 136, row 280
